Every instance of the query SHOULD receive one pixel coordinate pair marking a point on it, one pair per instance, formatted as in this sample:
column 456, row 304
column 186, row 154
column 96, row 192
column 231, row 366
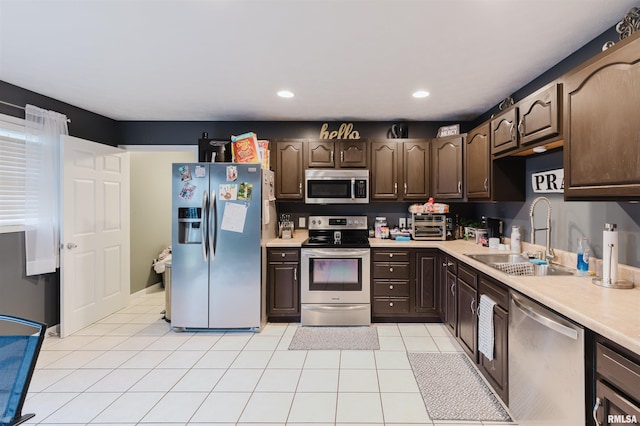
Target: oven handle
column 318, row 252
column 334, row 307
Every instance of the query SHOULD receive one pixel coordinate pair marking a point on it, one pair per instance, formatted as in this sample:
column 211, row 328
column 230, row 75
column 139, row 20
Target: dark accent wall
column 84, row 124
column 188, row 132
column 581, row 55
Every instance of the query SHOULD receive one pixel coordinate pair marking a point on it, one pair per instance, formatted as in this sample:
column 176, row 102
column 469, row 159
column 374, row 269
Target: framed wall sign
column 454, row 129
column 548, row 182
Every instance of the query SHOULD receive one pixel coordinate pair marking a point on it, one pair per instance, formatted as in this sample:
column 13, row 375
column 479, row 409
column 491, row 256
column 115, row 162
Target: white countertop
column 612, row 313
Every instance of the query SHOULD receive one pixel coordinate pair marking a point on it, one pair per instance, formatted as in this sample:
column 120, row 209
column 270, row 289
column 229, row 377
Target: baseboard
column 154, row 288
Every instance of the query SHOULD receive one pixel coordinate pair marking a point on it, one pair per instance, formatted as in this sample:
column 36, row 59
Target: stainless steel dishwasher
column 546, row 366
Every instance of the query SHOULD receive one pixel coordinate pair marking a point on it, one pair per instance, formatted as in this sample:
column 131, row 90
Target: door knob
column 71, row 245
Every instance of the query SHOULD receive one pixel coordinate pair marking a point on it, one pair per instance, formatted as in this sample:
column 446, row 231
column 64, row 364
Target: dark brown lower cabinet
column 404, row 285
column 496, row 371
column 613, row 407
column 451, row 314
column 617, row 387
column 283, row 286
column 467, row 320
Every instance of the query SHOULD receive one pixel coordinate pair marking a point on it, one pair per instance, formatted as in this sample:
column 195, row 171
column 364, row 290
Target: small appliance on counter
column 494, row 227
column 429, row 226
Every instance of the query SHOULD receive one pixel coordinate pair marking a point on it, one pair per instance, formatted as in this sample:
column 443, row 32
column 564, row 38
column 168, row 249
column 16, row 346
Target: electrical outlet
column 409, row 222
column 302, row 222
column 402, row 223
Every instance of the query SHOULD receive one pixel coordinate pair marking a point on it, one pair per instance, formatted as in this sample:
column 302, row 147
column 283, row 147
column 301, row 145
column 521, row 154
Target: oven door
column 335, row 275
column 335, row 286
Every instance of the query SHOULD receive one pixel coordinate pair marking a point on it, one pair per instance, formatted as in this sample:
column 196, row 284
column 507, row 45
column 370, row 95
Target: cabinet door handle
column 473, row 303
column 391, row 304
column 459, row 187
column 445, row 264
column 405, row 188
column 283, row 255
column 295, row 273
column 342, row 156
column 391, row 287
column 395, row 188
column 521, row 127
column 390, row 254
column 449, row 264
column 390, row 269
column 486, row 184
column 331, row 156
column 453, row 292
column 512, row 132
column 300, row 188
column 595, row 411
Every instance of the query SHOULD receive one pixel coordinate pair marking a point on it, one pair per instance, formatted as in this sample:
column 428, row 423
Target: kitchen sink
column 515, row 264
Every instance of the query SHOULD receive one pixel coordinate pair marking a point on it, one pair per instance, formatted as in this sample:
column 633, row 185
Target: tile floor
column 132, row 369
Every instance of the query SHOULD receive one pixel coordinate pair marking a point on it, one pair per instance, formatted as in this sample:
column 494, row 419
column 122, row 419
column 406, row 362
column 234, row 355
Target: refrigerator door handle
column 213, row 221
column 203, row 224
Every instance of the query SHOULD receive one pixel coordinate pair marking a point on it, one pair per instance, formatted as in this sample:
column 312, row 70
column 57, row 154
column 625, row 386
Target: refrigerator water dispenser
column 189, row 221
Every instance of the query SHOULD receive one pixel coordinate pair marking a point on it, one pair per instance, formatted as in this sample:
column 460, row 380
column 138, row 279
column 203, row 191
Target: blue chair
column 20, row 343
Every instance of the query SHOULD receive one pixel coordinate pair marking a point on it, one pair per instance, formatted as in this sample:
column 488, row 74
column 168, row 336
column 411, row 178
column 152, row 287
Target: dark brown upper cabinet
column 601, row 125
column 477, row 163
column 504, row 132
column 446, row 169
column 347, row 153
column 289, row 169
column 539, row 115
column 400, row 170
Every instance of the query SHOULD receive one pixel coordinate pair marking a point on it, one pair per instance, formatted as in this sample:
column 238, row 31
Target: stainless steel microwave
column 324, row 186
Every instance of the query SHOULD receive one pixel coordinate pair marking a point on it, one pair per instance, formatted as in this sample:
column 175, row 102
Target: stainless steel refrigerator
column 222, row 214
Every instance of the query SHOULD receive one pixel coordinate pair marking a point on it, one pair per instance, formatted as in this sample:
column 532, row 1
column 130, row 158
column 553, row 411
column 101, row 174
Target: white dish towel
column 485, row 326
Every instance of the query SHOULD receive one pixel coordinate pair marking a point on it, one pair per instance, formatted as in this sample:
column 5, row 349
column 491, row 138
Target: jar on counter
column 379, row 224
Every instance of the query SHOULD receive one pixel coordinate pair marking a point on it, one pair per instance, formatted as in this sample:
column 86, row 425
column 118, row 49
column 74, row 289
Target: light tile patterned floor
column 132, row 369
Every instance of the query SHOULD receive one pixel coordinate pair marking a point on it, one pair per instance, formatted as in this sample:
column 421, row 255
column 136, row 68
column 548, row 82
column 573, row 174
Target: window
column 13, row 172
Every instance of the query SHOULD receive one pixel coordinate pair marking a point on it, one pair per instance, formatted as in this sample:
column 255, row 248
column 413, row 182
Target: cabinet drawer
column 391, row 270
column 497, row 293
column 390, row 306
column 467, row 275
column 390, row 256
column 618, row 370
column 284, row 255
column 391, row 288
column 451, row 265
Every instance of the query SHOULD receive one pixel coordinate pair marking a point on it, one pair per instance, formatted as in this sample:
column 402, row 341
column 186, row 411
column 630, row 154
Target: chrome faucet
column 549, row 254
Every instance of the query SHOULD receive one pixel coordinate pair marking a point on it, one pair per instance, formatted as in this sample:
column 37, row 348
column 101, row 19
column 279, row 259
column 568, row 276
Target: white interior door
column 94, row 232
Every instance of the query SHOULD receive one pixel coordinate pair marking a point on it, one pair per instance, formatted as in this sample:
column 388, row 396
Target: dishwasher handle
column 543, row 318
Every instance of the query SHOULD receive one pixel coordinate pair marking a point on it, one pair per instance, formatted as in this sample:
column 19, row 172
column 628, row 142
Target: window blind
column 13, row 172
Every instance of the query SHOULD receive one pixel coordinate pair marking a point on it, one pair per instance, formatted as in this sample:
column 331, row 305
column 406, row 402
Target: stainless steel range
column 336, row 271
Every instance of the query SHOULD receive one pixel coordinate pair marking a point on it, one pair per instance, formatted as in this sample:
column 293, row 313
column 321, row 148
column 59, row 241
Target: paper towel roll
column 609, row 254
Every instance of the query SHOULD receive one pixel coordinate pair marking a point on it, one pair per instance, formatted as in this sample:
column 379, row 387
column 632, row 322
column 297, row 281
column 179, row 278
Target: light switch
column 302, row 222
column 402, row 223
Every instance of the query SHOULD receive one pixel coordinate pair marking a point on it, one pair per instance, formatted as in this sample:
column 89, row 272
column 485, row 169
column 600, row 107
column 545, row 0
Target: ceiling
column 224, row 60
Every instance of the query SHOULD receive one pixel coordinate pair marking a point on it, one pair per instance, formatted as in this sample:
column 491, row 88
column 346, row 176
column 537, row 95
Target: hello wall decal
column 344, row 132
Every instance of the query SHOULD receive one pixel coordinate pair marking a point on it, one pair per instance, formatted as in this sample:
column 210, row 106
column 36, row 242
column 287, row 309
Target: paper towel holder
column 607, row 282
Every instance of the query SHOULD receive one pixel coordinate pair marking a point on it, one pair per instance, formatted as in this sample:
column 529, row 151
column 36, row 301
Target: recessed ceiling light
column 285, row 94
column 420, row 94
column 540, row 149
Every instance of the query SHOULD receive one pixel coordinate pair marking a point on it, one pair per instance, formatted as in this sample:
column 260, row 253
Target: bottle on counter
column 380, row 223
column 516, row 246
column 583, row 255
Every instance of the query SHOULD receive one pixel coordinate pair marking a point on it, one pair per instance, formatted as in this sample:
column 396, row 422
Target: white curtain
column 43, row 130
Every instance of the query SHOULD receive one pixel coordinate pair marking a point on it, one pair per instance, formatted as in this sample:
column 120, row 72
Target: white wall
column 151, row 209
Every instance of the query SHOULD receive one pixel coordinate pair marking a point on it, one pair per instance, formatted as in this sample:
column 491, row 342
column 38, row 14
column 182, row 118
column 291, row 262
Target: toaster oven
column 429, row 226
